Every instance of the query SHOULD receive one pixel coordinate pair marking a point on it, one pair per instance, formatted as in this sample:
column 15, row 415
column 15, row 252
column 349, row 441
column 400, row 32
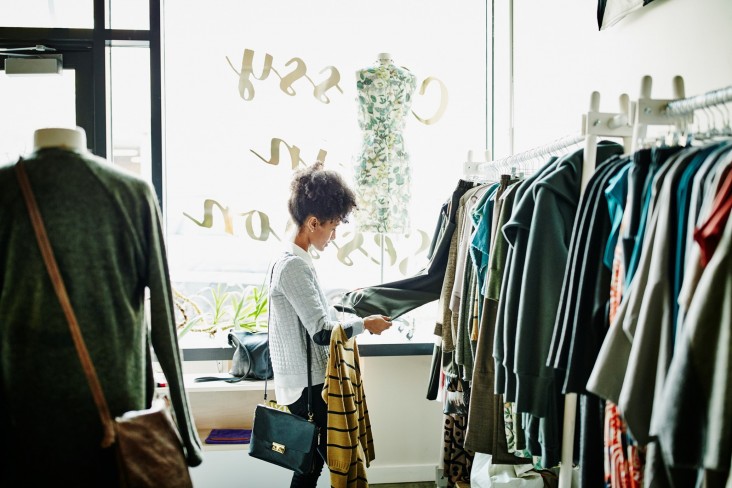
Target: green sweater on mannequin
column 105, row 228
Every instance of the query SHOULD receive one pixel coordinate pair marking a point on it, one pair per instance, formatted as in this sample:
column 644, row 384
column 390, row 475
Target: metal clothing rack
column 491, row 170
column 709, row 99
column 516, row 160
column 594, row 124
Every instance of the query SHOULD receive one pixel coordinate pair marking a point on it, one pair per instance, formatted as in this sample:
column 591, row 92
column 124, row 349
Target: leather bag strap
column 63, row 298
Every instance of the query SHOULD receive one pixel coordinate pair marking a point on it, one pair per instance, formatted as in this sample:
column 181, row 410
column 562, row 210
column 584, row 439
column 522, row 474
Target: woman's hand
column 376, row 324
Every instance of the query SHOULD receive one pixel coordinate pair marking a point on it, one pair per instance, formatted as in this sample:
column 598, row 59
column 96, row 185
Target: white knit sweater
column 298, row 311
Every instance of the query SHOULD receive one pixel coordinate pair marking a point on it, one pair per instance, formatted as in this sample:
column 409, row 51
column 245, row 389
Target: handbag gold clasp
column 280, row 448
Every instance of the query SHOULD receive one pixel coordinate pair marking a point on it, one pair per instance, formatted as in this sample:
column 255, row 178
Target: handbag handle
column 63, row 298
column 307, row 340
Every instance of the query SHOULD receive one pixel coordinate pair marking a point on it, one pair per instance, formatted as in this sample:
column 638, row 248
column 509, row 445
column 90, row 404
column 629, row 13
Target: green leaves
column 248, row 307
column 220, row 308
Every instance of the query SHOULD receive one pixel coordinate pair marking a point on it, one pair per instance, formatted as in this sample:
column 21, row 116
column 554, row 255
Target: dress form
column 382, row 173
column 73, row 139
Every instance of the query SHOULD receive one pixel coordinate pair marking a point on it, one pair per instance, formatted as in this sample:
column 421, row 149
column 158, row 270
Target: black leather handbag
column 251, row 360
column 282, row 438
column 251, row 355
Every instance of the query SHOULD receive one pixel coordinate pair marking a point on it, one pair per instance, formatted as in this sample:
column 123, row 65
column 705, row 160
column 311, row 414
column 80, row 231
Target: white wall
column 560, row 57
column 407, row 427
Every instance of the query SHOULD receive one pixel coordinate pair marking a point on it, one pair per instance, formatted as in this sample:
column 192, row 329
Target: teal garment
column 105, row 228
column 482, row 217
column 615, row 194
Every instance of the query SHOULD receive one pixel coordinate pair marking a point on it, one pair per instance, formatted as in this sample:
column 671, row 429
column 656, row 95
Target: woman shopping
column 319, row 202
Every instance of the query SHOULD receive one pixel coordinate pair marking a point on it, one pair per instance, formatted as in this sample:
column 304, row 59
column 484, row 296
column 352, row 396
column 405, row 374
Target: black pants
column 320, row 412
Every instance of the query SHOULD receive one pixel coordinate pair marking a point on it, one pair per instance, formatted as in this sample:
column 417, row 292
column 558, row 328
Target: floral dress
column 381, row 171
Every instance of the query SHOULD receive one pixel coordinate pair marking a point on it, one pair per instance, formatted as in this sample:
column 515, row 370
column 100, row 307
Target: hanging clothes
column 582, row 320
column 504, row 338
column 456, row 460
column 509, row 296
column 623, row 457
column 463, row 299
column 549, row 231
column 606, row 378
column 486, row 426
column 696, row 428
column 632, row 365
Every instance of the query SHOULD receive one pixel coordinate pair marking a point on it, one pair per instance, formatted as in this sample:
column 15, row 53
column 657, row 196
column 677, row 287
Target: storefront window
column 129, row 14
column 129, row 79
column 70, row 14
column 54, row 98
column 259, row 89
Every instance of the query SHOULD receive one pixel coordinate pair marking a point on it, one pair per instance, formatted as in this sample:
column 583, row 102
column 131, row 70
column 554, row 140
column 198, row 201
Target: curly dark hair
column 320, row 192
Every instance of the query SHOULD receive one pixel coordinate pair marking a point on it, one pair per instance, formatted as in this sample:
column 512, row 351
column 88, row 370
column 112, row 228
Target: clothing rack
column 630, row 124
column 594, row 124
column 471, row 168
column 492, row 169
column 709, row 99
column 536, row 152
column 648, row 111
column 653, row 112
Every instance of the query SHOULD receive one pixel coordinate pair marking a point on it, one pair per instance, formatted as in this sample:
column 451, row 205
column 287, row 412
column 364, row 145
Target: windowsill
column 392, row 342
column 365, row 350
column 192, row 386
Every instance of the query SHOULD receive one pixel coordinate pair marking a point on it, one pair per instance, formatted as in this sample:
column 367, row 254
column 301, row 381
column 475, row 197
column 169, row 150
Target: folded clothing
column 229, row 436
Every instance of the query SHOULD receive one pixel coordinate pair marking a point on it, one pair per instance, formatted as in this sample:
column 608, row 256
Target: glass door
column 34, row 101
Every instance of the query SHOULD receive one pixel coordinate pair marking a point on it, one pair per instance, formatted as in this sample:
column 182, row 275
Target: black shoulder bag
column 282, row 438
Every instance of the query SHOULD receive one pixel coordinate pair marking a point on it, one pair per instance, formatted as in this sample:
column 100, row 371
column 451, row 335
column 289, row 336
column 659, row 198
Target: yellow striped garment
column 348, row 416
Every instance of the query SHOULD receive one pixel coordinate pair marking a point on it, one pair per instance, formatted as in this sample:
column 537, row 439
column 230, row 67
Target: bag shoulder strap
column 63, row 297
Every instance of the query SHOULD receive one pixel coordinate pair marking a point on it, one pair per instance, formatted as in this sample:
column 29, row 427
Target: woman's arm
column 301, row 288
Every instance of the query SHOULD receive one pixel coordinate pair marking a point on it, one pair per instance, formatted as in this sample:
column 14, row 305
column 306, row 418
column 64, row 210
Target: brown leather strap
column 63, row 298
